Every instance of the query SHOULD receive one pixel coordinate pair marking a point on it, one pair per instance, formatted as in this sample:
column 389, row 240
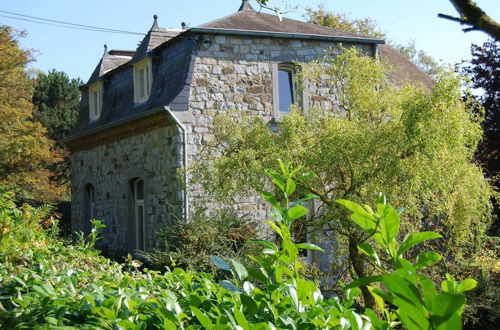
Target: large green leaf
column 402, row 289
column 368, row 250
column 466, row 285
column 445, row 305
column 269, row 197
column 309, row 246
column 265, row 243
column 415, row 239
column 296, row 212
column 426, row 259
column 240, row 270
column 389, row 222
column 363, row 281
column 355, row 208
column 290, row 187
column 202, row 318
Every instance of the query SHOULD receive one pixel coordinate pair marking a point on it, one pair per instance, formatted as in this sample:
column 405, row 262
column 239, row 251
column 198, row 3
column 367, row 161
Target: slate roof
column 248, row 20
column 155, row 37
column 403, row 70
column 109, row 61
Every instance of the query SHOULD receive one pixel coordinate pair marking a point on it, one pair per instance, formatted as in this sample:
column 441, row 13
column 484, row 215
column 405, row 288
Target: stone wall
column 154, row 156
column 240, row 73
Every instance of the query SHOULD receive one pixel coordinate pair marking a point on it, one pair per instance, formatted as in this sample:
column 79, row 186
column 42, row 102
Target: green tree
column 321, row 16
column 25, row 151
column 369, row 27
column 57, row 100
column 416, row 145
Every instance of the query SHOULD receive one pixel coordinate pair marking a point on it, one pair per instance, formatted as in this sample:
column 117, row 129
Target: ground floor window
column 138, row 208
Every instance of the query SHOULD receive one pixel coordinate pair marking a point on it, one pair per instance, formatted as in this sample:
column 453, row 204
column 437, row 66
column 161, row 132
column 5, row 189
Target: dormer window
column 142, row 80
column 95, row 100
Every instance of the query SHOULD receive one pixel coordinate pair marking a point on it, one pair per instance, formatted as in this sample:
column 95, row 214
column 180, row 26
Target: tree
column 320, row 16
column 472, row 15
column 57, row 100
column 413, row 144
column 484, row 71
column 369, row 27
column 25, row 151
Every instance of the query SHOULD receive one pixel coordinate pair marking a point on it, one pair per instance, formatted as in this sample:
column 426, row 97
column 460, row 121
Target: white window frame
column 140, row 244
column 95, row 100
column 143, row 79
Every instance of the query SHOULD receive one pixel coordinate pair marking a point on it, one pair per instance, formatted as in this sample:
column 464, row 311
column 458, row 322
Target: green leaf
column 290, row 187
column 403, row 289
column 415, row 239
column 269, row 197
column 296, row 212
column 241, row 271
column 355, row 208
column 276, row 179
column 202, row 318
column 220, row 263
column 368, row 250
column 363, row 281
column 265, row 243
column 445, row 305
column 258, row 275
column 389, row 222
column 466, row 285
column 240, row 318
column 426, row 259
column 309, row 246
column 229, row 286
column 306, row 198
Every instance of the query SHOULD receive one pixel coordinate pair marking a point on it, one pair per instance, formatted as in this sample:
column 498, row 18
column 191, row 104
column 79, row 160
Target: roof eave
column 286, row 35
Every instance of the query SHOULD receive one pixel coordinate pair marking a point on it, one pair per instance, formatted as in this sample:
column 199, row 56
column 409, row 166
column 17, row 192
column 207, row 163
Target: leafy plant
column 419, row 304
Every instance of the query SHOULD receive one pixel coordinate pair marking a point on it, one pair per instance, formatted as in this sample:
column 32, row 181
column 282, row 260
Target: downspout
column 185, row 160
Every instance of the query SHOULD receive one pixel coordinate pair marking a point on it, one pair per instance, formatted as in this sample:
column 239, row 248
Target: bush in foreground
column 51, row 283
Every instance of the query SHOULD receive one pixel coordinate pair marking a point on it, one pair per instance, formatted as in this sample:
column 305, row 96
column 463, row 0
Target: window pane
column 139, row 190
column 142, row 83
column 285, row 90
column 96, row 103
column 139, row 227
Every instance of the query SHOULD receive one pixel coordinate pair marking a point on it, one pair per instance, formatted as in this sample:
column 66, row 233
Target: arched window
column 139, row 224
column 89, row 205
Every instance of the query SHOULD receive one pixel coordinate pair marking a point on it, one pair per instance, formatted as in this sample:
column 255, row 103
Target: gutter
column 286, row 35
column 184, row 142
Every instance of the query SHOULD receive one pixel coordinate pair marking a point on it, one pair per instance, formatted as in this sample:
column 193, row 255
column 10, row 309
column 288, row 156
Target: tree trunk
column 358, row 263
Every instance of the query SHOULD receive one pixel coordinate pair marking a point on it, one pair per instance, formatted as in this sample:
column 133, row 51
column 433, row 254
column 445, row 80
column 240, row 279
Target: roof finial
column 245, row 5
column 105, row 49
column 155, row 22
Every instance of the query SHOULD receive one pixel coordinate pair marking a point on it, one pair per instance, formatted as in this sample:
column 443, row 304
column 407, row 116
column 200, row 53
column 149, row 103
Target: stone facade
column 196, row 74
column 152, row 156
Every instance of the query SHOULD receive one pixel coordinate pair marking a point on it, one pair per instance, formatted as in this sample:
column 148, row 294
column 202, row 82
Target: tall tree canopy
column 57, row 100
column 413, row 144
column 484, row 71
column 25, row 151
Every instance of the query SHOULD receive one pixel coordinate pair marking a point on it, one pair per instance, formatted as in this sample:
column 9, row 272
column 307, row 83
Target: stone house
column 145, row 114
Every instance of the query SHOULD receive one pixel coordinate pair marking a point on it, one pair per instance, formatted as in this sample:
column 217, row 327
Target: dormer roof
column 155, row 37
column 109, row 61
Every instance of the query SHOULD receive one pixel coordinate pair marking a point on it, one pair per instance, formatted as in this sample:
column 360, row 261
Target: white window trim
column 95, row 100
column 137, row 204
column 300, row 97
column 147, row 65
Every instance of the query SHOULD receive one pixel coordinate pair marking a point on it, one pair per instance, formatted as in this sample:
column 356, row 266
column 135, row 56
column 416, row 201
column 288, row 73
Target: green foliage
column 51, row 284
column 321, row 16
column 419, row 304
column 25, row 151
column 414, row 144
column 57, row 100
column 190, row 245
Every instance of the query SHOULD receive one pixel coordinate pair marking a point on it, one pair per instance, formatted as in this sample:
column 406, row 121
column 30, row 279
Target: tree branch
column 471, row 14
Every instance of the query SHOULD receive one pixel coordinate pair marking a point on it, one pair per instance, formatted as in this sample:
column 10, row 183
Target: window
column 286, row 88
column 89, row 203
column 142, row 80
column 95, row 100
column 138, row 209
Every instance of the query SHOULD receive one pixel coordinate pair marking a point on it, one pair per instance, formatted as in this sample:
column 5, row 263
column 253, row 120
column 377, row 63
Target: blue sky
column 77, row 51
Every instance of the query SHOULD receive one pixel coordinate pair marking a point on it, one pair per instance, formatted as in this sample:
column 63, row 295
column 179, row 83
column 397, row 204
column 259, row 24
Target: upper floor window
column 95, row 100
column 286, row 87
column 142, row 80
